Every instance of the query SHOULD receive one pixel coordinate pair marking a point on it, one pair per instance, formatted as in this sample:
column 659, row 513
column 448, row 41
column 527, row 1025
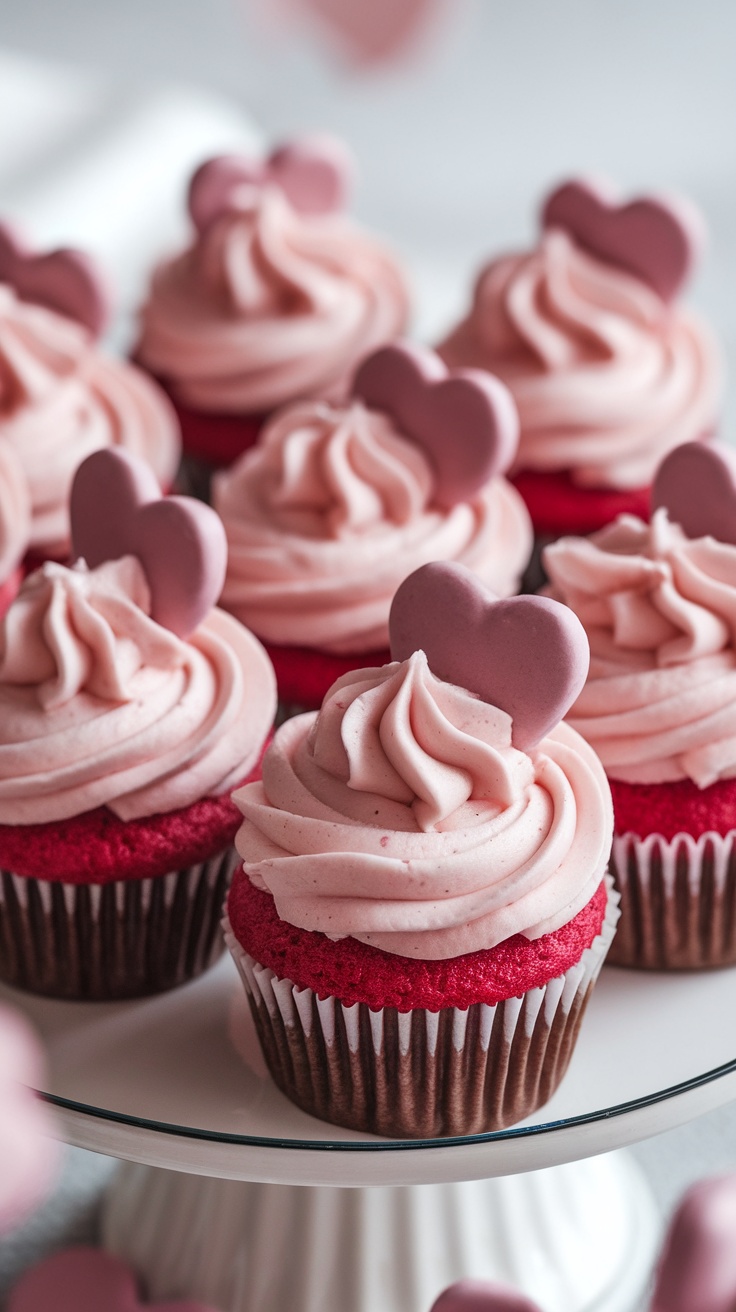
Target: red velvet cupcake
column 421, row 913
column 608, row 373
column 276, row 300
column 129, row 709
column 659, row 605
column 336, row 505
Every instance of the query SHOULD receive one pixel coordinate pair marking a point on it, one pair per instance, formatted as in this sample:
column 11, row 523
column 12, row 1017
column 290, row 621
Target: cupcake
column 15, row 523
column 129, row 708
column 61, row 398
column 336, row 505
column 422, row 911
column 658, row 602
column 276, row 300
column 608, row 372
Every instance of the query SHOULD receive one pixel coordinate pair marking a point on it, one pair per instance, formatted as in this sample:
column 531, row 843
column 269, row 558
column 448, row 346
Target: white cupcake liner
column 421, row 1074
column 678, row 900
column 116, row 940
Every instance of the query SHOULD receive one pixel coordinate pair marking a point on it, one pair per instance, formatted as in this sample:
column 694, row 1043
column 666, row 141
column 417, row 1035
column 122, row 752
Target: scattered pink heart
column 116, row 509
column 482, row 1296
column 656, row 238
column 86, row 1280
column 63, row 280
column 465, row 420
column 527, row 655
column 314, row 173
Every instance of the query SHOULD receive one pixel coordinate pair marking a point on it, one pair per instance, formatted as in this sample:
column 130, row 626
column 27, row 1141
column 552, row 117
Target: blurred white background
column 455, row 146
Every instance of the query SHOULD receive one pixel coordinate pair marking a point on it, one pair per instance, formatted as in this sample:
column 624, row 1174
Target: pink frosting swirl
column 99, row 705
column 332, row 510
column 401, row 815
column 60, row 399
column 607, row 378
column 660, row 613
column 268, row 306
column 15, row 511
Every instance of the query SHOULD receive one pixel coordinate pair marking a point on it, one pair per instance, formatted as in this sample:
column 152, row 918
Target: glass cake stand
column 212, row 1200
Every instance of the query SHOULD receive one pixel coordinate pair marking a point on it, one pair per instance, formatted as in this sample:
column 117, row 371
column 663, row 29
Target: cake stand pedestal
column 213, row 1202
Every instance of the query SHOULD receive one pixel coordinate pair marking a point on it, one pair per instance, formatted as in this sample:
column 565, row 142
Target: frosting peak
column 80, row 630
column 660, row 613
column 408, row 738
column 267, row 306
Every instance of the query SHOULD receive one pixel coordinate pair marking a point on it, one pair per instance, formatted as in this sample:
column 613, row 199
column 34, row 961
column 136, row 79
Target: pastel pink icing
column 400, row 814
column 660, row 613
column 15, row 511
column 61, row 399
column 28, row 1152
column 332, row 510
column 99, row 705
column 268, row 306
column 607, row 377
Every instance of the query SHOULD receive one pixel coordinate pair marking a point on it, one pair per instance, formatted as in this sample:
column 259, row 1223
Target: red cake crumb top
column 97, row 847
column 674, row 808
column 354, row 972
column 558, row 506
column 304, row 675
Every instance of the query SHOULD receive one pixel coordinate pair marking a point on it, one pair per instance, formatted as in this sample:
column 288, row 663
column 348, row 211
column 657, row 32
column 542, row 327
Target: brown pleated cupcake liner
column 123, row 939
column 420, row 1074
column 678, row 901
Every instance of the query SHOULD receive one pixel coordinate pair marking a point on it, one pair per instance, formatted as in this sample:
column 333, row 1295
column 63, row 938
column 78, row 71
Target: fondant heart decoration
column 657, row 238
column 86, row 1280
column 697, row 1269
column 64, row 280
column 116, row 510
column 314, row 173
column 527, row 655
column 696, row 483
column 465, row 420
column 482, row 1296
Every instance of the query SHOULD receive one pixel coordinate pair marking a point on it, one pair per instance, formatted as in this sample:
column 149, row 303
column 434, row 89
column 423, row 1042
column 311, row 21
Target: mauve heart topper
column 117, row 509
column 697, row 1269
column 87, row 1280
column 465, row 420
column 64, row 280
column 696, row 483
column 527, row 655
column 315, row 174
column 657, row 238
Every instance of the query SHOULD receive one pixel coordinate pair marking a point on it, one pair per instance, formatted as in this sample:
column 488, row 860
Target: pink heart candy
column 314, row 173
column 86, row 1280
column 696, row 483
column 657, row 238
column 482, row 1296
column 465, row 420
column 527, row 655
column 116, row 509
column 697, row 1269
column 63, row 280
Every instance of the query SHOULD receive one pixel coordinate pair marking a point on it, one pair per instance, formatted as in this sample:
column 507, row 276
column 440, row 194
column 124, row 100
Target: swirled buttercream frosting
column 267, row 307
column 99, row 705
column 606, row 376
column 660, row 613
column 332, row 510
column 15, row 511
column 401, row 815
column 61, row 399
